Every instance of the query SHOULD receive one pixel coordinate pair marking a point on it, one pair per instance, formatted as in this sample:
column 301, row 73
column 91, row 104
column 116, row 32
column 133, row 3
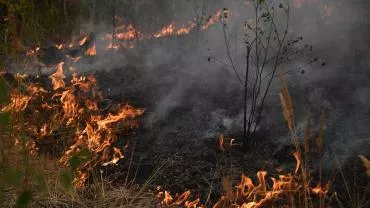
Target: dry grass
column 100, row 193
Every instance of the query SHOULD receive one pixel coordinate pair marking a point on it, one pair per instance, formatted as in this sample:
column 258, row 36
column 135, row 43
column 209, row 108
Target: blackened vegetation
column 181, row 130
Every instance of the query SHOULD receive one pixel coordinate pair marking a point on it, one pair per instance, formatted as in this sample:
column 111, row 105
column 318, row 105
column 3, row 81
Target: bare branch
column 228, row 53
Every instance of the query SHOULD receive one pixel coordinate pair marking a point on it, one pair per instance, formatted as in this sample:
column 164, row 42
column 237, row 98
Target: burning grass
column 298, row 188
column 70, row 118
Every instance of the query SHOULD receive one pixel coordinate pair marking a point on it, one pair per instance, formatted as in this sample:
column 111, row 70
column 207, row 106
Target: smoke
column 189, row 94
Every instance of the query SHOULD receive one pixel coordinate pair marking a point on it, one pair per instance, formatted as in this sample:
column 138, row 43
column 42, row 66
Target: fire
column 60, row 46
column 320, row 190
column 99, row 136
column 167, row 198
column 115, row 46
column 297, row 156
column 58, row 77
column 245, row 182
column 172, row 30
column 283, row 192
column 186, row 29
column 18, row 102
column 72, row 107
column 69, row 104
column 83, row 40
column 127, row 35
column 130, row 34
column 91, row 51
column 125, row 112
column 180, row 200
column 165, row 31
column 212, row 20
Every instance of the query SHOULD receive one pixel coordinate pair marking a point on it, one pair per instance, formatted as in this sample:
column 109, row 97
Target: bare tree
column 267, row 47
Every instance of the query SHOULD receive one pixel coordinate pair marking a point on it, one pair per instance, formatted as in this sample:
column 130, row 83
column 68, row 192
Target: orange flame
column 165, row 31
column 320, row 190
column 69, row 104
column 297, row 156
column 167, row 198
column 131, row 34
column 19, row 102
column 181, row 200
column 83, row 41
column 60, row 46
column 91, row 51
column 116, row 157
column 212, row 20
column 58, row 77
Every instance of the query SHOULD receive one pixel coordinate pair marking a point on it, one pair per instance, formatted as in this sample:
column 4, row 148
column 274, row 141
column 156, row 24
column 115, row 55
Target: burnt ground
column 185, row 139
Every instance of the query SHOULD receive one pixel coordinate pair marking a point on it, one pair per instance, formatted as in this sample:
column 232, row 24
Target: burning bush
column 69, row 119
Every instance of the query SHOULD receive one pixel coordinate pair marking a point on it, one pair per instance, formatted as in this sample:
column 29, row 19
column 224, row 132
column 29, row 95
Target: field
column 104, row 105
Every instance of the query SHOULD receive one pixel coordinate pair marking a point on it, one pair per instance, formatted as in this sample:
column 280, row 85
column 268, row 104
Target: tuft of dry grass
column 366, row 164
column 286, row 103
column 55, row 195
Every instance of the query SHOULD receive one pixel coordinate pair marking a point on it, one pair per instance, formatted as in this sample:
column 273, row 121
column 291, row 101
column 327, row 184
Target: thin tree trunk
column 245, row 141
